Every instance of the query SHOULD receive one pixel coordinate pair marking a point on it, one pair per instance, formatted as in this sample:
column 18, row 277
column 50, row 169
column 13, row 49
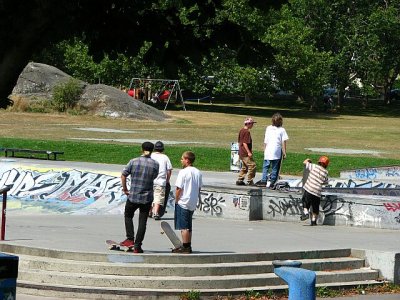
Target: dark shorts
column 183, row 218
column 311, row 200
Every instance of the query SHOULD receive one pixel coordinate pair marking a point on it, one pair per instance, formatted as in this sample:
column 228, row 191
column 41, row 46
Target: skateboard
column 306, row 172
column 171, row 235
column 113, row 245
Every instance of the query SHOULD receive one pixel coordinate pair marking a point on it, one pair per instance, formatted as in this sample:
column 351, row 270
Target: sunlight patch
column 344, row 151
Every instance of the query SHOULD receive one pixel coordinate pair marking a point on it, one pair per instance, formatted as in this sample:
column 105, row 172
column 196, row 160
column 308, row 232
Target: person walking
column 162, row 181
column 142, row 171
column 274, row 150
column 188, row 185
column 317, row 177
column 246, row 154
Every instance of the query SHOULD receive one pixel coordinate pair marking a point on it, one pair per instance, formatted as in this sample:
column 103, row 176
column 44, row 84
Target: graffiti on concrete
column 348, row 183
column 210, row 204
column 392, row 206
column 285, row 206
column 397, row 218
column 392, row 192
column 62, row 191
column 337, row 183
column 339, row 208
column 388, row 172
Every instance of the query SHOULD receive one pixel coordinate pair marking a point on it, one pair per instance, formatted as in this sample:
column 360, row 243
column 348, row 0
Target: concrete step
column 123, row 275
column 193, row 282
column 89, row 292
column 169, row 258
column 27, row 262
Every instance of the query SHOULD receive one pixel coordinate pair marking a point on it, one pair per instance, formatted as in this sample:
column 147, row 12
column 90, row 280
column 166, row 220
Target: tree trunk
column 247, row 99
column 339, row 99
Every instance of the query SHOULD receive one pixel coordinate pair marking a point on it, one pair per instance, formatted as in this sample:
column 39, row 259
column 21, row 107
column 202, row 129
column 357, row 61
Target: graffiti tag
column 392, row 206
column 211, row 204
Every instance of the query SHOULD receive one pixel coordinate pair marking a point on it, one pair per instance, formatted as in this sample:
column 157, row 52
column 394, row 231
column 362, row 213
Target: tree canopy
column 250, row 46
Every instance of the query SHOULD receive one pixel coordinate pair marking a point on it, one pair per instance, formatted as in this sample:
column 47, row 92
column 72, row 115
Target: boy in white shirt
column 188, row 185
column 274, row 150
column 162, row 180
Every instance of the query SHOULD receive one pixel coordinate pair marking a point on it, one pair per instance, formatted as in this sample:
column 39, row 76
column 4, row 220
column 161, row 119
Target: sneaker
column 127, row 243
column 272, row 187
column 250, row 183
column 157, row 217
column 138, row 250
column 261, row 183
column 185, row 250
column 240, row 182
column 313, row 223
column 304, row 217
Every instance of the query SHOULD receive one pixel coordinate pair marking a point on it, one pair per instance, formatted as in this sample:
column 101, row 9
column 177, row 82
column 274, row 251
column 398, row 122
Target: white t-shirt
column 274, row 138
column 164, row 166
column 190, row 181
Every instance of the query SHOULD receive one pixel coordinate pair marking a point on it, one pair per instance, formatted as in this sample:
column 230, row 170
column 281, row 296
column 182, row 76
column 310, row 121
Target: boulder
column 37, row 82
column 111, row 102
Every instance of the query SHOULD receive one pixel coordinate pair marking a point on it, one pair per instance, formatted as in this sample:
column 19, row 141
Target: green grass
column 211, row 159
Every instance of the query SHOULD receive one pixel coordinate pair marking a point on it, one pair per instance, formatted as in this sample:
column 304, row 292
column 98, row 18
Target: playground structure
column 156, row 91
column 209, row 82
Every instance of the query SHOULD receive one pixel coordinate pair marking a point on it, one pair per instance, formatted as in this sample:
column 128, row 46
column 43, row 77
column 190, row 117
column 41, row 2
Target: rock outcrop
column 37, row 82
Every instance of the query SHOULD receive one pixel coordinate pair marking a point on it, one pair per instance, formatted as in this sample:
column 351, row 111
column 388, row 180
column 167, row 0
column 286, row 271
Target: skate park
column 60, row 213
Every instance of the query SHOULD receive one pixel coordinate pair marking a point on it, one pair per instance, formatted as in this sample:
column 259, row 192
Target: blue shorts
column 183, row 218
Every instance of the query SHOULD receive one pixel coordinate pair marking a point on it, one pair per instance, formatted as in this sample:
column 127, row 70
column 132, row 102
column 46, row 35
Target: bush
column 22, row 104
column 66, row 95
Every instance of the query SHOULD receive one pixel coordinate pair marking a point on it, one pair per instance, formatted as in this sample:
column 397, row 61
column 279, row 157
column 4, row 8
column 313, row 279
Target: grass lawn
column 208, row 130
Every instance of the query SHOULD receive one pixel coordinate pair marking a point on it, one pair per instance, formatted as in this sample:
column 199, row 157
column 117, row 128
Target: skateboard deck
column 113, row 245
column 306, row 172
column 171, row 235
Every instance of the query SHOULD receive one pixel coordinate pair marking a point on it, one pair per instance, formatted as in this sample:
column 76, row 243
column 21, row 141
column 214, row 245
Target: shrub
column 22, row 104
column 66, row 95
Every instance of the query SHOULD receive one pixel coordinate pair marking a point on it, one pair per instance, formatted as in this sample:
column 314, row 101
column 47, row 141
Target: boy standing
column 188, row 185
column 318, row 175
column 142, row 170
column 246, row 154
column 274, row 150
column 162, row 180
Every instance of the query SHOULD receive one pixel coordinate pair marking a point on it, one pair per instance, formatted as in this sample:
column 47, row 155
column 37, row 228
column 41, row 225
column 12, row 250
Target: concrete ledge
column 388, row 263
column 230, row 202
column 337, row 209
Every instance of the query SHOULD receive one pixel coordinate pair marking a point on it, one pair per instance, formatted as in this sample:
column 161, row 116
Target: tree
column 378, row 55
column 299, row 65
column 175, row 31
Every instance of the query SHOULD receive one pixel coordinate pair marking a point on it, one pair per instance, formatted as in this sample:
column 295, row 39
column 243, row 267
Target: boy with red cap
column 318, row 176
column 246, row 154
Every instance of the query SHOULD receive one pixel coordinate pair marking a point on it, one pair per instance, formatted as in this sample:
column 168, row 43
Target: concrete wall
column 388, row 263
column 336, row 209
column 84, row 192
column 230, row 202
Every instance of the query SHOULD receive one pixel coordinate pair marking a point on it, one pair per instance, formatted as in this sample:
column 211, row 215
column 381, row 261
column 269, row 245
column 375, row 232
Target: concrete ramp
column 385, row 173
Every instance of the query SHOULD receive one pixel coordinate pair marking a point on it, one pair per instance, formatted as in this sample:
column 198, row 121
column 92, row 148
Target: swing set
column 156, row 91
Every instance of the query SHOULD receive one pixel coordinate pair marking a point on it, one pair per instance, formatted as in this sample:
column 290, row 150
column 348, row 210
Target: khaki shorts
column 159, row 194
